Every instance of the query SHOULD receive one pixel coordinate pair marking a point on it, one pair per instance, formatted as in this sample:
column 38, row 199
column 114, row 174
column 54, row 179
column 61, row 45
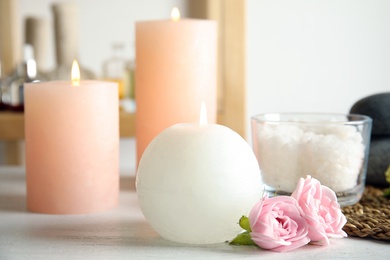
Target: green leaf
column 387, row 193
column 387, row 174
column 244, row 223
column 243, row 239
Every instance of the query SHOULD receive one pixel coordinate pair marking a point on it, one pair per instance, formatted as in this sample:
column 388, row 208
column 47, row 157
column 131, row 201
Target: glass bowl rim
column 349, row 118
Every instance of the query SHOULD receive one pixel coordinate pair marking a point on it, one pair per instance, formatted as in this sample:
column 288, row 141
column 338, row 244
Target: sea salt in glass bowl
column 332, row 148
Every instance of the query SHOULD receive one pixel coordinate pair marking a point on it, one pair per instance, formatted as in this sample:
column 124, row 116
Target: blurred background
column 300, row 56
column 102, row 24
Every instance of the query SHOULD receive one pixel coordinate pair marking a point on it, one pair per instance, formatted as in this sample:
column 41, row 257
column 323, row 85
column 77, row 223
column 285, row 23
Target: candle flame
column 175, row 14
column 203, row 115
column 75, row 74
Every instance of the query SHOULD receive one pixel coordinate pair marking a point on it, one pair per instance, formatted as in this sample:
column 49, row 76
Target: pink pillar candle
column 175, row 72
column 72, row 147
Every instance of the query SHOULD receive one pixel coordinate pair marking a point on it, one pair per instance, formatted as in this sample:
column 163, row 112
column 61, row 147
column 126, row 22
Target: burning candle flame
column 203, row 115
column 175, row 14
column 75, row 74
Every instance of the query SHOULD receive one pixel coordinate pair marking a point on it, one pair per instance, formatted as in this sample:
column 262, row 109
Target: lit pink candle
column 72, row 146
column 175, row 72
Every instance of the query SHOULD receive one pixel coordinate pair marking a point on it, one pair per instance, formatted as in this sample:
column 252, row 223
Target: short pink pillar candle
column 72, row 147
column 176, row 70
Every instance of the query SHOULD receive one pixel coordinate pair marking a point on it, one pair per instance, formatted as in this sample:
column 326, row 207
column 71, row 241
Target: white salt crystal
column 331, row 154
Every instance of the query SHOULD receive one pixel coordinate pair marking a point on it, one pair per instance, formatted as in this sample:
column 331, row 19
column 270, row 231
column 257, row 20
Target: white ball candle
column 195, row 182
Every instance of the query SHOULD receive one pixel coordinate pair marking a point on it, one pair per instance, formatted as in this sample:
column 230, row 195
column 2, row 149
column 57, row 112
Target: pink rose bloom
column 278, row 224
column 323, row 213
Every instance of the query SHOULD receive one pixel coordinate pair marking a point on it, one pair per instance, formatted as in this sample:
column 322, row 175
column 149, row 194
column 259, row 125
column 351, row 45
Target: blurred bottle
column 26, row 71
column 128, row 102
column 2, row 87
column 129, row 82
column 114, row 69
column 66, row 42
column 36, row 34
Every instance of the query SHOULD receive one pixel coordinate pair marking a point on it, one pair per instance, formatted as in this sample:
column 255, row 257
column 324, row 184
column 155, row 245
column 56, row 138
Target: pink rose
column 323, row 213
column 278, row 224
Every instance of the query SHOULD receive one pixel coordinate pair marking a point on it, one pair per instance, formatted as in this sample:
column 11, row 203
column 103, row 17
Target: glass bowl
column 332, row 148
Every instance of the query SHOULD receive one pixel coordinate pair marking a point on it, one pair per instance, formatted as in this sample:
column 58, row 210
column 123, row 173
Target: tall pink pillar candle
column 72, row 147
column 176, row 70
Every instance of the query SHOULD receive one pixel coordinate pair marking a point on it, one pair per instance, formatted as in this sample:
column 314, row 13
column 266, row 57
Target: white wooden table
column 123, row 233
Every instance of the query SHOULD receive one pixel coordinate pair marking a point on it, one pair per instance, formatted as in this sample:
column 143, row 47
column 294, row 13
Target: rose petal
column 322, row 211
column 297, row 244
column 278, row 223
